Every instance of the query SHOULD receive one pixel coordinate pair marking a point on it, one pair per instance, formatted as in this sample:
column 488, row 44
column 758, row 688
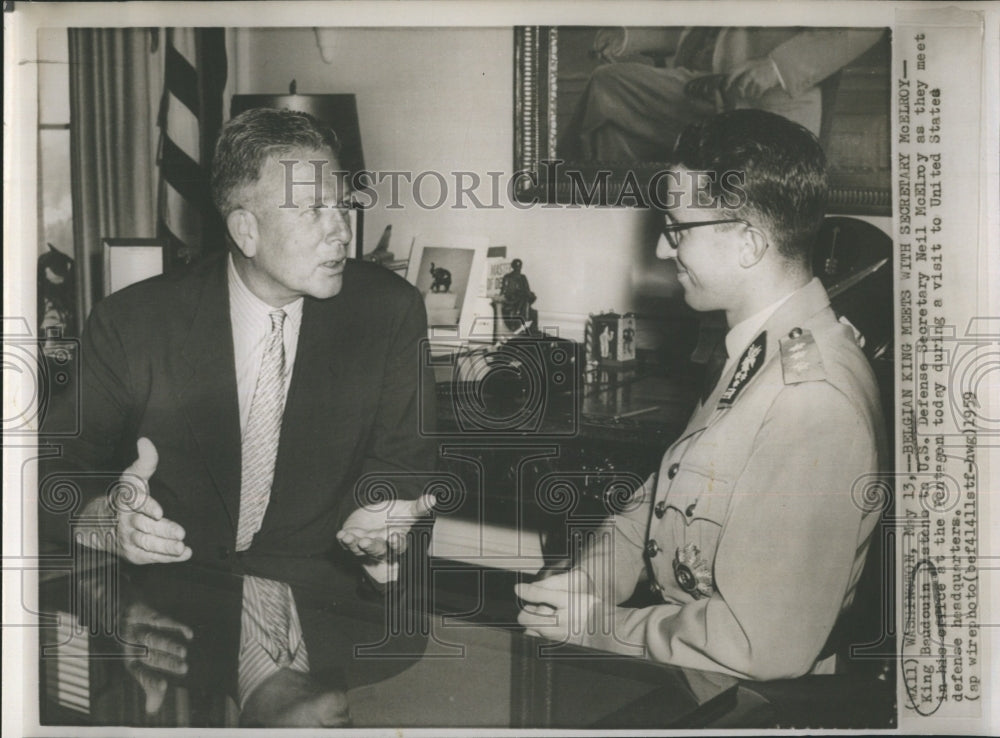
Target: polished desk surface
column 434, row 671
column 646, row 403
column 613, row 431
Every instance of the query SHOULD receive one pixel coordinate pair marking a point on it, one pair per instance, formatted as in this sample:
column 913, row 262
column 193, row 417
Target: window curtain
column 116, row 80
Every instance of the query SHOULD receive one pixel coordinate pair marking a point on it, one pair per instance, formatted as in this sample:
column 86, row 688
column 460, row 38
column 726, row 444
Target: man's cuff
column 609, row 632
column 382, row 573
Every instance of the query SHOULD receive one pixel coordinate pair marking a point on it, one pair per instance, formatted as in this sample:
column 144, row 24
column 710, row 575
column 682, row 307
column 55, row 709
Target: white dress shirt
column 250, row 318
column 741, row 334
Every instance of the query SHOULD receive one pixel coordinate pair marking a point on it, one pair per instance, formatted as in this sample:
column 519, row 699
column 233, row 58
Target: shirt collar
column 741, row 334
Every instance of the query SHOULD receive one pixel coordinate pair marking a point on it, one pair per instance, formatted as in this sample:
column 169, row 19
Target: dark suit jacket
column 157, row 361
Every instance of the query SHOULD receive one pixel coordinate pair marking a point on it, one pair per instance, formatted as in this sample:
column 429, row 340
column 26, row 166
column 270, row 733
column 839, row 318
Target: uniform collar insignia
column 748, row 364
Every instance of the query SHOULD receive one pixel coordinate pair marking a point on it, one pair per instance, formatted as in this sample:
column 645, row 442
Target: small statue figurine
column 516, row 298
column 606, row 339
column 611, row 338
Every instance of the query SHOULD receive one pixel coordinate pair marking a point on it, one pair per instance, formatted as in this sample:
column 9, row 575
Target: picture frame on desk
column 447, row 271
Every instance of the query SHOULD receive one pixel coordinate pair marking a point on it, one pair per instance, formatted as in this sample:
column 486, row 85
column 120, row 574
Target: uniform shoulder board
column 800, row 359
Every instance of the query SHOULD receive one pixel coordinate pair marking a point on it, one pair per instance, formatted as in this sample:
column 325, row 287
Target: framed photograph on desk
column 446, row 271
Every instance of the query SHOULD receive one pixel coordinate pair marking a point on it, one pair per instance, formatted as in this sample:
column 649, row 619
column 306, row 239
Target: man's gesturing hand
column 378, row 534
column 144, row 535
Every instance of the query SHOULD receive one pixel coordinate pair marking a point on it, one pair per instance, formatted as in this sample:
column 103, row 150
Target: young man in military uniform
column 753, row 534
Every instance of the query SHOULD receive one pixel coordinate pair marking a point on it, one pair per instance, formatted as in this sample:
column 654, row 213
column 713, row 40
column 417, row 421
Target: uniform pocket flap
column 698, row 494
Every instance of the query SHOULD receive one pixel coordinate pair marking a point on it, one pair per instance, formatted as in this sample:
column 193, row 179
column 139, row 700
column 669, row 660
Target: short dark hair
column 248, row 140
column 784, row 165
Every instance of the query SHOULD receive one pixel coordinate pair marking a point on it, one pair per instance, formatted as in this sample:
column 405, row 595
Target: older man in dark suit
column 179, row 361
column 254, row 398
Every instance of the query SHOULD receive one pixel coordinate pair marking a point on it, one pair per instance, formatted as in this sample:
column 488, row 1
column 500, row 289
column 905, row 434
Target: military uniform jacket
column 755, row 529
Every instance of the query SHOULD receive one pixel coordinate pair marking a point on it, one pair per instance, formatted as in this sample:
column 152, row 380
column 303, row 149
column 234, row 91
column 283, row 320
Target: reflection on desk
column 158, row 646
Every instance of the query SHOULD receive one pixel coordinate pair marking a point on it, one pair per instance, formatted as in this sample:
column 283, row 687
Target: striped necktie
column 260, row 442
column 271, row 634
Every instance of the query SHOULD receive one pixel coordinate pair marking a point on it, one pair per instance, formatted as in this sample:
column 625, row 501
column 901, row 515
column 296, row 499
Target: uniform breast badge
column 692, row 572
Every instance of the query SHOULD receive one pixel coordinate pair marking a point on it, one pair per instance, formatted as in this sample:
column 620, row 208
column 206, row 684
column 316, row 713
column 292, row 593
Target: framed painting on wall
column 596, row 107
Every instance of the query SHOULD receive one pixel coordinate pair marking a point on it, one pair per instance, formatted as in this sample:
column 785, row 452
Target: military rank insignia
column 692, row 572
column 800, row 359
column 748, row 364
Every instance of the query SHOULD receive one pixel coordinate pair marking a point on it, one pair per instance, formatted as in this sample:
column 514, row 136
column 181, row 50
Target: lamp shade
column 339, row 111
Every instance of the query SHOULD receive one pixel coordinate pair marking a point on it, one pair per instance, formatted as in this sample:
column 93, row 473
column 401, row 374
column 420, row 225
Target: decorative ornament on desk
column 382, row 256
column 512, row 311
column 497, row 266
column 381, row 253
column 611, row 338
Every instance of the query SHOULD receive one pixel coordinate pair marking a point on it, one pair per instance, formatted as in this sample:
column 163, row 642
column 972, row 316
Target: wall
column 442, row 100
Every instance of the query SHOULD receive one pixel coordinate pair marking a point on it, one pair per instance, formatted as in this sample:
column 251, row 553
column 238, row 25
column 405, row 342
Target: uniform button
column 661, row 508
column 672, row 471
column 652, row 547
column 655, row 587
column 795, row 333
column 690, row 509
column 223, row 552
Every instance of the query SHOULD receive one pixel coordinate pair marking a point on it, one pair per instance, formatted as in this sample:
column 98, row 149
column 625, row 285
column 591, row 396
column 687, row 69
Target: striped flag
column 190, row 119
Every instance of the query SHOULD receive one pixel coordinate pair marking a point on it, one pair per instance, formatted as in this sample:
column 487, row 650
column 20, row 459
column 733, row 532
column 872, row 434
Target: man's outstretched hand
column 143, row 535
column 378, row 534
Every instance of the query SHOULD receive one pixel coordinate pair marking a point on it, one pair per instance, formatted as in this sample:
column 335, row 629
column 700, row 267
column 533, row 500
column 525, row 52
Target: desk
column 579, row 464
column 447, row 672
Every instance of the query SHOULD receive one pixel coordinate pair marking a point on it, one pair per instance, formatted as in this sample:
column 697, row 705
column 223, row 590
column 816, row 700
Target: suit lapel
column 208, row 395
column 327, row 337
column 327, row 340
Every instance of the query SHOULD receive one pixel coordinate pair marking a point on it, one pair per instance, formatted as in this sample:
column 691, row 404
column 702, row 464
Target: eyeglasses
column 670, row 230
